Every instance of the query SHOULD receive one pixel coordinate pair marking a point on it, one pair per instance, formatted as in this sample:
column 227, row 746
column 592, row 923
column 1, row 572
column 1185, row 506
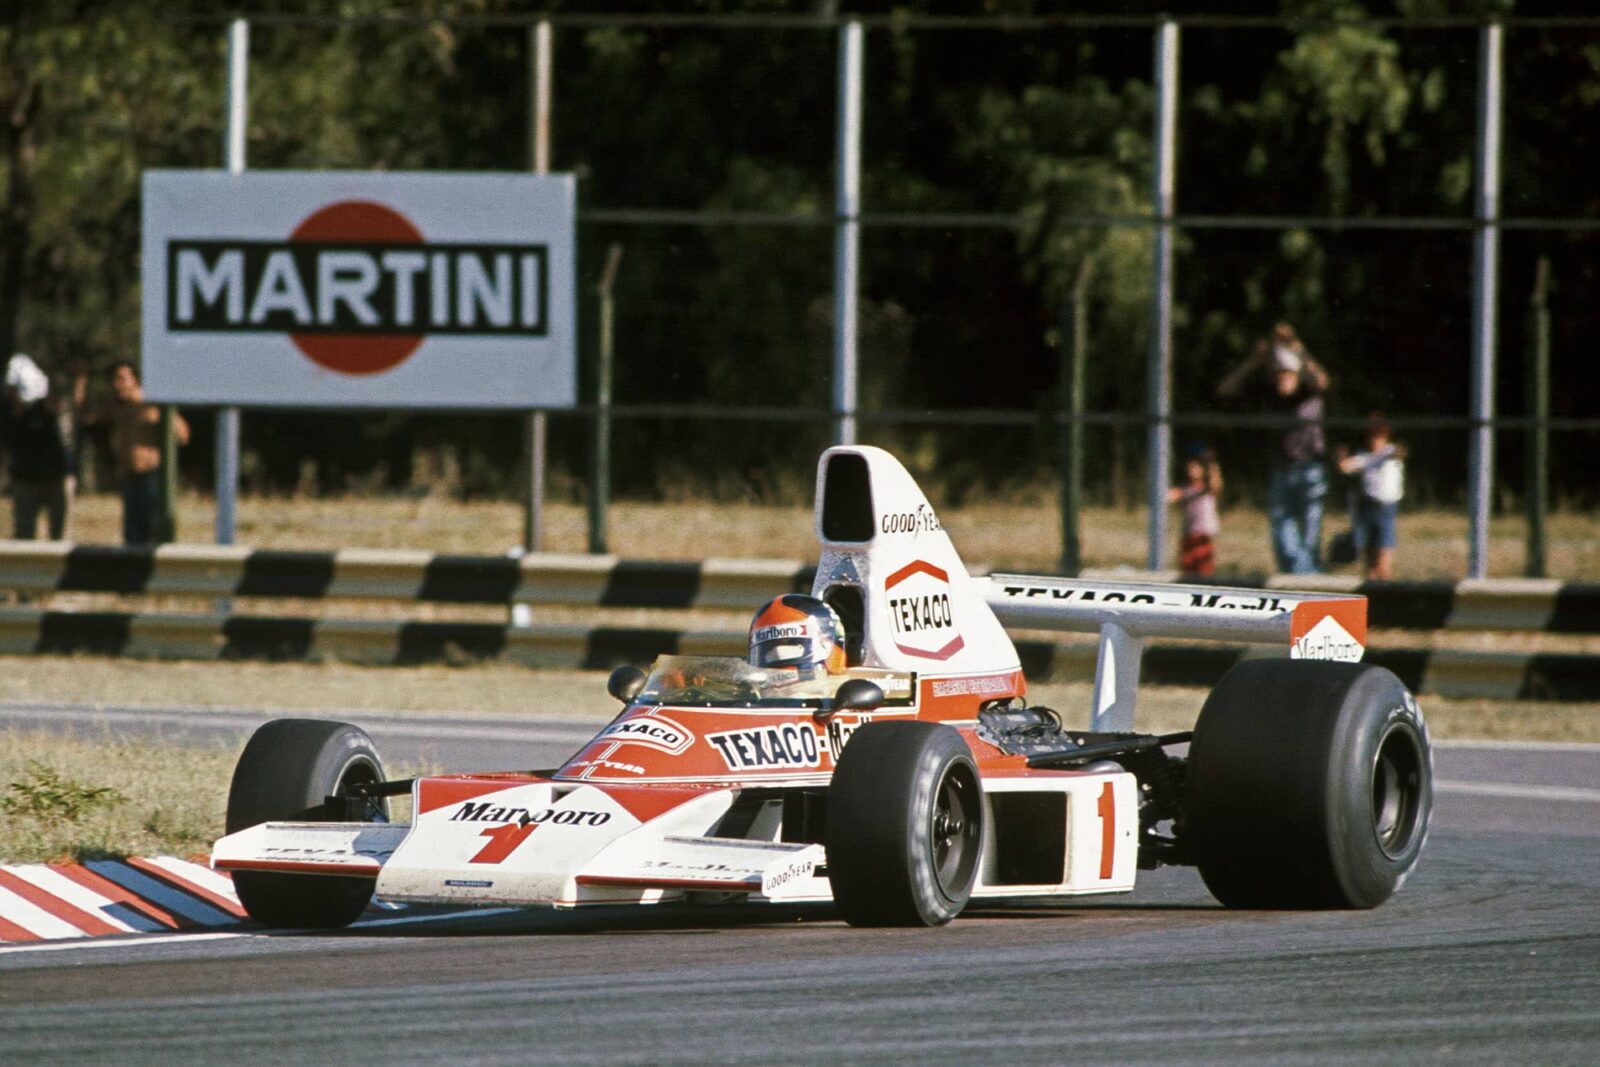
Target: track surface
column 1490, row 954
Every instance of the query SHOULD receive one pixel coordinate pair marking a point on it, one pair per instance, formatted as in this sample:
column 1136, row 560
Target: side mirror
column 857, row 694
column 625, row 683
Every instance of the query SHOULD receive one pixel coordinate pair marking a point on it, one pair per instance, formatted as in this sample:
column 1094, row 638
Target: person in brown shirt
column 135, row 427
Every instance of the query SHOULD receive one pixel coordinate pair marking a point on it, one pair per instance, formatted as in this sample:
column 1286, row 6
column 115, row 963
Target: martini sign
column 340, row 289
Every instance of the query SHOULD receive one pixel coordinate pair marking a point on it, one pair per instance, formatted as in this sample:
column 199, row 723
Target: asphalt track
column 1490, row 954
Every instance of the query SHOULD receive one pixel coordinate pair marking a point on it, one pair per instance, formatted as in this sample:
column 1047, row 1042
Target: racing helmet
column 797, row 631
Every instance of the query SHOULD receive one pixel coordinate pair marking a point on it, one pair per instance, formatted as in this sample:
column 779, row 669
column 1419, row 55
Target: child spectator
column 1376, row 499
column 1198, row 495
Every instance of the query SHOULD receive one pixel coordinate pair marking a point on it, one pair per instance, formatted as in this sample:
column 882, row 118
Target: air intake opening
column 847, row 499
column 847, row 601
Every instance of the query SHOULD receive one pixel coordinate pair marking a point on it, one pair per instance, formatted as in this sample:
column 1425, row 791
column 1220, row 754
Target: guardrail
column 40, row 568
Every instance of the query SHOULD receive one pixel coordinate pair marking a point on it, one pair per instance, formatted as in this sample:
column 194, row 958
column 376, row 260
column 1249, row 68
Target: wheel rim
column 1397, row 789
column 955, row 827
column 361, row 772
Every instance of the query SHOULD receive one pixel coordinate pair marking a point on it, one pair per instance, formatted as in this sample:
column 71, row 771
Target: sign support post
column 227, row 446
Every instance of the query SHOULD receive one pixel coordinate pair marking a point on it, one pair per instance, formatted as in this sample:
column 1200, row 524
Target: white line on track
column 1520, row 746
column 126, row 941
column 1519, row 792
column 114, row 942
column 435, row 726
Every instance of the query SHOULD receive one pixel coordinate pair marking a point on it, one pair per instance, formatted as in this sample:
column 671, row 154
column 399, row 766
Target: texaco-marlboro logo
column 918, row 596
column 357, row 287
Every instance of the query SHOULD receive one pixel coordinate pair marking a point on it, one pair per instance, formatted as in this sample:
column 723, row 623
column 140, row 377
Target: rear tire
column 286, row 772
column 905, row 825
column 1310, row 785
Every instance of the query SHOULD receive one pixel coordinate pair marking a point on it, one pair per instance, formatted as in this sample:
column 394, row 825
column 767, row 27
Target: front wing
column 487, row 841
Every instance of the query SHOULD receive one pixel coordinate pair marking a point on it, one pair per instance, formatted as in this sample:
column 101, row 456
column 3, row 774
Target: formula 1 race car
column 877, row 750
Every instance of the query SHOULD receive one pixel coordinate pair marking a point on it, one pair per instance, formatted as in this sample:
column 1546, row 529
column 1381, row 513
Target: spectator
column 1198, row 494
column 136, row 449
column 1290, row 383
column 38, row 436
column 1376, row 500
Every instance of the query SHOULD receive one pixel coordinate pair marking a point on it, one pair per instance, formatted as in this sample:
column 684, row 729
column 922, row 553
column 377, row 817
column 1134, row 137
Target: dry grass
column 172, row 798
column 1022, row 533
column 158, row 797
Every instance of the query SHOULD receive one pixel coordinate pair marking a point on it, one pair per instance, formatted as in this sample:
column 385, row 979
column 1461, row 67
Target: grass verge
column 164, row 798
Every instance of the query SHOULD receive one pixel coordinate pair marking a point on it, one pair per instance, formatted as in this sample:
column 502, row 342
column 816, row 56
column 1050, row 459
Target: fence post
column 1158, row 403
column 534, row 429
column 1485, row 267
column 847, row 235
column 1537, row 448
column 233, row 147
column 600, row 453
column 1074, row 354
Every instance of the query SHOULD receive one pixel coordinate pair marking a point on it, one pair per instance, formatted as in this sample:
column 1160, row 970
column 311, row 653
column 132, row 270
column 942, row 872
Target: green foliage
column 1347, row 118
column 107, row 98
column 42, row 793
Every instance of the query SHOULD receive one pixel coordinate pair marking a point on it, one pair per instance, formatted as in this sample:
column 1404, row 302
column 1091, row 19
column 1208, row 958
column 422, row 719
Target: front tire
column 1310, row 785
column 905, row 825
column 286, row 772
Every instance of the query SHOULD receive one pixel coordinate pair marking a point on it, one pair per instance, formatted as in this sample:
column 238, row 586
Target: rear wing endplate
column 1308, row 625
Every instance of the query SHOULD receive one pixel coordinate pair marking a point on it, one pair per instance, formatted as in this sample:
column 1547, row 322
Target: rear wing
column 1308, row 625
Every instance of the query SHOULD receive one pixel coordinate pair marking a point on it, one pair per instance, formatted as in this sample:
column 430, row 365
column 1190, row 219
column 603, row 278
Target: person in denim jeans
column 1291, row 384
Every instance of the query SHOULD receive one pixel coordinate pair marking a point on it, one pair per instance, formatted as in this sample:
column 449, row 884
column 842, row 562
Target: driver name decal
column 784, row 747
column 918, row 596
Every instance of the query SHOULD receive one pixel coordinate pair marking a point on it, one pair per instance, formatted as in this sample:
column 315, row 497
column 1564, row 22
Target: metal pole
column 1159, row 371
column 600, row 454
column 534, row 432
column 1537, row 447
column 1485, row 270
column 233, row 145
column 542, row 39
column 1074, row 357
column 846, row 235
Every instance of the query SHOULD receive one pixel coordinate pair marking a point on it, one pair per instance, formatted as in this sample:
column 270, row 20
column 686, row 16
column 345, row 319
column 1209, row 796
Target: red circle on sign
column 356, row 222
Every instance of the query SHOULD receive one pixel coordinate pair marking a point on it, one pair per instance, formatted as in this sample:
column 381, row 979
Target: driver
column 798, row 632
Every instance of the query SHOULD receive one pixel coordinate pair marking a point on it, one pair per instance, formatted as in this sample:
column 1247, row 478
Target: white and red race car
column 915, row 780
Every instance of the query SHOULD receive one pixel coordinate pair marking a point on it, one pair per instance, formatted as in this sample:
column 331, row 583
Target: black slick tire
column 1310, row 785
column 286, row 772
column 905, row 825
